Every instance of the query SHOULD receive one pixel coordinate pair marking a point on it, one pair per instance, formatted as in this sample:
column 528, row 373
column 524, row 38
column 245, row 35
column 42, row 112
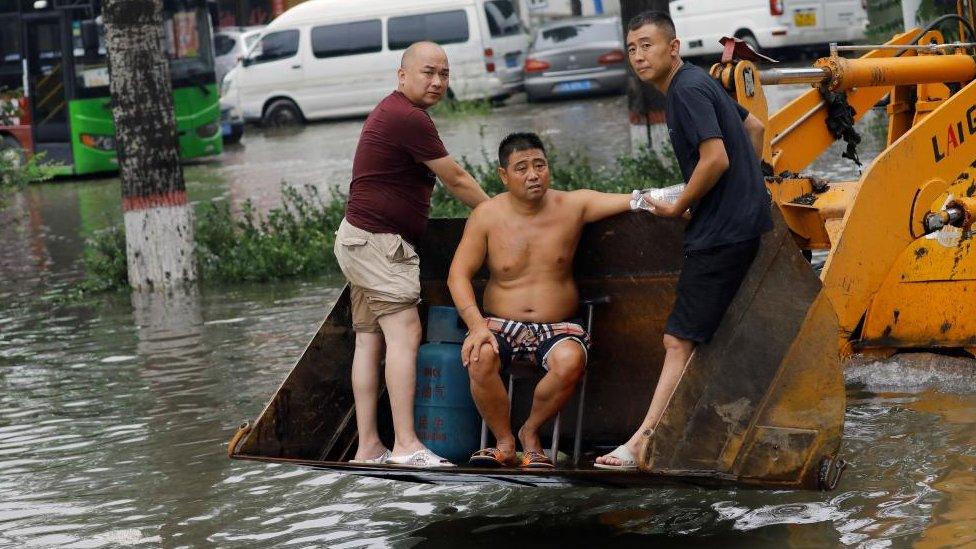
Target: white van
column 766, row 24
column 330, row 58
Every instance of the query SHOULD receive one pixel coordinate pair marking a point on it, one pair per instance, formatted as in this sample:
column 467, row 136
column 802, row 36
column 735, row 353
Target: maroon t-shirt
column 390, row 189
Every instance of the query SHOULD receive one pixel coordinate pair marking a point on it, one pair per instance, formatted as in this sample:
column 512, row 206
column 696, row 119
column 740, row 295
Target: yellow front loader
column 901, row 267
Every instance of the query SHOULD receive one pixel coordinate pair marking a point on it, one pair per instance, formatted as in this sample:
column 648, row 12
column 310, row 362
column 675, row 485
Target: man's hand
column 662, row 208
column 471, row 347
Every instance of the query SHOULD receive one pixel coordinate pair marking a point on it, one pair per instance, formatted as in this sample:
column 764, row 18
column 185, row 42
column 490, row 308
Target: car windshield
column 573, row 34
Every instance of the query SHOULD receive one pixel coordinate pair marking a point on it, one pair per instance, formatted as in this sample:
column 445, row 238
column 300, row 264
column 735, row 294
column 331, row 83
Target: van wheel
column 748, row 38
column 282, row 113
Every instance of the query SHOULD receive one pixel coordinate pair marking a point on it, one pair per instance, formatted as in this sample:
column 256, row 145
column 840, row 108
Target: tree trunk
column 158, row 219
column 645, row 104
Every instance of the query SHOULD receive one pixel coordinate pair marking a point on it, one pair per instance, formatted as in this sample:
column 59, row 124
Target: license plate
column 574, row 86
column 805, row 18
column 512, row 61
column 224, row 129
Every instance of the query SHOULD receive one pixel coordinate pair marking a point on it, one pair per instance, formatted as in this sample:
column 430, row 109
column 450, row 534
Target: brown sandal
column 536, row 460
column 492, row 457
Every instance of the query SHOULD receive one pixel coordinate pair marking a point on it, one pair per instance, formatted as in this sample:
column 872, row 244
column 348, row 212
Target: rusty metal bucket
column 777, row 406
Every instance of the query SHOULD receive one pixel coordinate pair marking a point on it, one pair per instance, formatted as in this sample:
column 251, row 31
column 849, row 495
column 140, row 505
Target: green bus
column 54, row 82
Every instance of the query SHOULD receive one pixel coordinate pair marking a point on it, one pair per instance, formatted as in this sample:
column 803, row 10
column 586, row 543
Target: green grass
column 449, row 108
column 296, row 238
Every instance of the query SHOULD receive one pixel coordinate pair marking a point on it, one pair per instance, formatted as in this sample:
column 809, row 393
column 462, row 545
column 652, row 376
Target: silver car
column 230, row 45
column 575, row 57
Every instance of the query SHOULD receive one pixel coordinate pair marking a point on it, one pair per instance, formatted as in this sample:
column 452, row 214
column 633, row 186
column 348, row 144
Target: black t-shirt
column 737, row 207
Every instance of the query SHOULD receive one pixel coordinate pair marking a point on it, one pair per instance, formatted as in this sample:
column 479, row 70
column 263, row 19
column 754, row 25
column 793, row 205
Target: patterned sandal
column 492, row 457
column 536, row 460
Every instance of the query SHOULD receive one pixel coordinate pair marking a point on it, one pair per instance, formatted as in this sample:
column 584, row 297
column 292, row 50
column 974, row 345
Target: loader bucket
column 763, row 401
column 778, row 404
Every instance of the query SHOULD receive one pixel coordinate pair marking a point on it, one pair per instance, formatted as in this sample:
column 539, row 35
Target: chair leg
column 578, row 435
column 554, row 451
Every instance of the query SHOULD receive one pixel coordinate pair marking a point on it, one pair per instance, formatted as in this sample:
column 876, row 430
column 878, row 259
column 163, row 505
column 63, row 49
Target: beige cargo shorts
column 383, row 271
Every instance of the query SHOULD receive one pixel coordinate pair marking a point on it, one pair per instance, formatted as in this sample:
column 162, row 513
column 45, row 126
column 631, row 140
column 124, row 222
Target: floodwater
column 114, row 413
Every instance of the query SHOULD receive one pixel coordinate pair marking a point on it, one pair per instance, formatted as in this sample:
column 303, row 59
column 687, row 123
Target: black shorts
column 538, row 357
column 709, row 281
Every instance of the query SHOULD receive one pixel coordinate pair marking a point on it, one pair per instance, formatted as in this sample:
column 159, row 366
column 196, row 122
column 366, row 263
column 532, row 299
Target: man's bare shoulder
column 562, row 199
column 488, row 208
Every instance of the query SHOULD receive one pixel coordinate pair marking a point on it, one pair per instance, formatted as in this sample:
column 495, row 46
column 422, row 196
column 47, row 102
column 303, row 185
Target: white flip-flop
column 421, row 459
column 627, row 460
column 378, row 460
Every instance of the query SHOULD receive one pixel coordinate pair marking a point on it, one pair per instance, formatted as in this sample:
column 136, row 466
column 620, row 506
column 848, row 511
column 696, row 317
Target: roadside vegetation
column 16, row 169
column 295, row 239
column 450, row 108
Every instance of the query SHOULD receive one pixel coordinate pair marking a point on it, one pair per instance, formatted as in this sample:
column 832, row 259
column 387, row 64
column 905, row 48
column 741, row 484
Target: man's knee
column 402, row 327
column 567, row 360
column 673, row 343
column 487, row 366
column 369, row 341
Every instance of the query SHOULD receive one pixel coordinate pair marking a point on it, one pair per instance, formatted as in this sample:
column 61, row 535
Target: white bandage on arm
column 667, row 194
column 637, row 201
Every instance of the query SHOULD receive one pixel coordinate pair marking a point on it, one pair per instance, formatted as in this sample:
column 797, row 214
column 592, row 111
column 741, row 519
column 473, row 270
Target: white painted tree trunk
column 159, row 246
column 158, row 219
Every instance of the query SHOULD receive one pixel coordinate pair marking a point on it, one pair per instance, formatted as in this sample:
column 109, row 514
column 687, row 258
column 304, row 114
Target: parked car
column 230, row 46
column 576, row 57
column 766, row 24
column 332, row 58
column 231, row 122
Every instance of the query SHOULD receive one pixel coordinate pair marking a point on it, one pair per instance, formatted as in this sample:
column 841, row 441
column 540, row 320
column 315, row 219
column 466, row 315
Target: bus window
column 11, row 68
column 91, row 66
column 188, row 44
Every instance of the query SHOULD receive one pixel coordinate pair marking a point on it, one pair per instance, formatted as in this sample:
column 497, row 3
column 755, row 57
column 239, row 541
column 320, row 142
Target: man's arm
column 597, row 205
column 457, row 180
column 468, row 258
column 755, row 129
column 712, row 163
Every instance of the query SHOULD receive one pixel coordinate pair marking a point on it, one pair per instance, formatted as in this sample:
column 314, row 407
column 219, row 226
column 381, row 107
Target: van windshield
column 576, row 33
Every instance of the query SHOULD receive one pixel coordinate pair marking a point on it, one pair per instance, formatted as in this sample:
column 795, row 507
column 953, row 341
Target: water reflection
column 114, row 416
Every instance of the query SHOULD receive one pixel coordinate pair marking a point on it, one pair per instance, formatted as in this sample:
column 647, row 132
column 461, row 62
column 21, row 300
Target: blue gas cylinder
column 445, row 416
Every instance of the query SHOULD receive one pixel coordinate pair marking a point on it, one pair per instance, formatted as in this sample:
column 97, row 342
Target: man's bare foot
column 405, row 449
column 614, row 461
column 530, row 440
column 371, row 450
column 625, row 455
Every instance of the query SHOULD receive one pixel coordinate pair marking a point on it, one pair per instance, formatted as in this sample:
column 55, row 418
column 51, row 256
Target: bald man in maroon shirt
column 398, row 159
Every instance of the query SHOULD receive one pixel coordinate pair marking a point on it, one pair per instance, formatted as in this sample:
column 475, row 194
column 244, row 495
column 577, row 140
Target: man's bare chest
column 541, row 245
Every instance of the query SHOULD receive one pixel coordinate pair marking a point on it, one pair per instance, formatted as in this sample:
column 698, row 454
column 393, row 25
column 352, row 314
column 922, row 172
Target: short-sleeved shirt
column 736, row 209
column 391, row 187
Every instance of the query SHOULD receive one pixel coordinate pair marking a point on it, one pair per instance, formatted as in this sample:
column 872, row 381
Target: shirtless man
column 529, row 235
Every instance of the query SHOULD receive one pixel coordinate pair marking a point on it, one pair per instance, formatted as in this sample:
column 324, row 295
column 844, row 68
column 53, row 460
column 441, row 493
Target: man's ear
column 401, row 75
column 675, row 46
column 503, row 175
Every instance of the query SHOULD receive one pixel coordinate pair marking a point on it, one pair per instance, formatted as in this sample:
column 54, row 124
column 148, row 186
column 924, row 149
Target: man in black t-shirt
column 718, row 145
